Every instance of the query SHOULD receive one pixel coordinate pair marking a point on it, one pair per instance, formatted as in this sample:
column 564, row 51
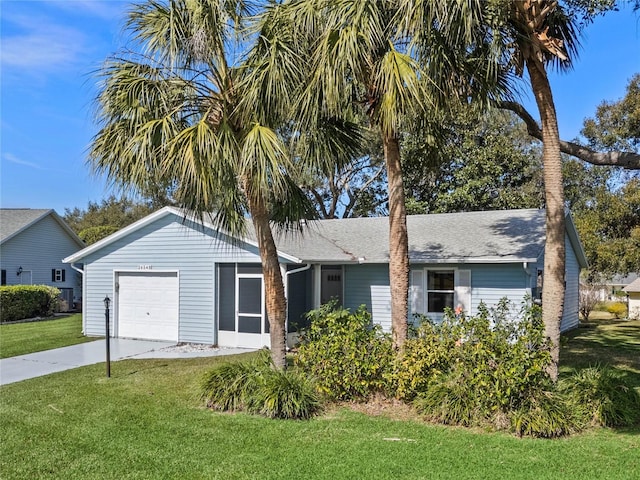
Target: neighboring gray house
column 612, row 289
column 171, row 278
column 32, row 246
column 633, row 299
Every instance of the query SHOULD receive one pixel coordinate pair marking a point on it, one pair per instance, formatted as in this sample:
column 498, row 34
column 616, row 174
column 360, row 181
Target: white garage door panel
column 148, row 305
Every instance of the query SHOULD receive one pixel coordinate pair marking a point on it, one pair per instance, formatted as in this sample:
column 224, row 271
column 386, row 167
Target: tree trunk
column 273, row 284
column 398, row 243
column 553, row 288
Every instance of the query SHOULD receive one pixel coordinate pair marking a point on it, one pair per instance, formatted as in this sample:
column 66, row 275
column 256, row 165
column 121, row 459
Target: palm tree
column 175, row 112
column 539, row 33
column 392, row 60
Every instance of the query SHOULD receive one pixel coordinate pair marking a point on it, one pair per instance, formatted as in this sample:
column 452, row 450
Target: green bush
column 427, row 353
column 545, row 414
column 617, row 309
column 603, row 396
column 27, row 301
column 349, row 356
column 288, row 394
column 450, row 400
column 228, row 386
column 256, row 387
column 483, row 368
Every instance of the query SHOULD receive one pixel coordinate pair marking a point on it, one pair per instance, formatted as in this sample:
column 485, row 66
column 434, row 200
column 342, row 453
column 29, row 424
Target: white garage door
column 148, row 305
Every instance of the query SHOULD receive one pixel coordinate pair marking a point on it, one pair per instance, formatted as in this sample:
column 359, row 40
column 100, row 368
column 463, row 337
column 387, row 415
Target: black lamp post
column 107, row 301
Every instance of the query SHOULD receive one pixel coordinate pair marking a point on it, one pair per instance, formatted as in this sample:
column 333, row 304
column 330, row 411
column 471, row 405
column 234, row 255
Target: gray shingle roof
column 14, row 220
column 633, row 287
column 471, row 237
column 494, row 236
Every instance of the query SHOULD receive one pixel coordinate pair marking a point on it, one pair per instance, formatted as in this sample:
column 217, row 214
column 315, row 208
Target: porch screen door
column 251, row 326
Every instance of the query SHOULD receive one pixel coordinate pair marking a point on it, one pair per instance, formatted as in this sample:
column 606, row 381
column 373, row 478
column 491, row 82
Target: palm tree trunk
column 398, row 243
column 553, row 288
column 274, row 287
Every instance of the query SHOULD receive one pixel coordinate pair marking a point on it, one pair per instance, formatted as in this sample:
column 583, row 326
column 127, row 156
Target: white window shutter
column 463, row 290
column 416, row 294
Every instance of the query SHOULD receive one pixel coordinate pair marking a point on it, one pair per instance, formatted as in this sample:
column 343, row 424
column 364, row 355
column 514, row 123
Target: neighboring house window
column 440, row 290
column 4, row 278
column 57, row 274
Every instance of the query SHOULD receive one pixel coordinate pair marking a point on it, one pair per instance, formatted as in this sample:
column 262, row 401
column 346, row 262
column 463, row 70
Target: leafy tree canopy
column 609, row 228
column 101, row 219
column 617, row 124
column 479, row 161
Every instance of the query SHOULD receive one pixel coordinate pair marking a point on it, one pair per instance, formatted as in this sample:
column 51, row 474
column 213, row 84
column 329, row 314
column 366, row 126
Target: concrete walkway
column 16, row 369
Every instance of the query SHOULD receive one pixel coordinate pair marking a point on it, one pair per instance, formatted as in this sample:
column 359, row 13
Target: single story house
column 33, row 243
column 612, row 287
column 633, row 295
column 173, row 278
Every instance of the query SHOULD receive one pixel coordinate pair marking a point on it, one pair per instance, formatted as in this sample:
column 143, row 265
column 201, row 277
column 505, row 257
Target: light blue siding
column 39, row 249
column 572, row 290
column 165, row 244
column 570, row 316
column 369, row 285
column 490, row 283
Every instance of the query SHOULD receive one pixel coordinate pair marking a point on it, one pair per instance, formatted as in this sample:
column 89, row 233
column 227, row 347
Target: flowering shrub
column 482, row 367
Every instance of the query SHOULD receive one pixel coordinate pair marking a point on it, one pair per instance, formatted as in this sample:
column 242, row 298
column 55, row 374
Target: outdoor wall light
column 107, row 301
column 19, row 272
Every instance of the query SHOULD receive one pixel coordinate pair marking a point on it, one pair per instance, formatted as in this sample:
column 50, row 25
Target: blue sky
column 49, row 49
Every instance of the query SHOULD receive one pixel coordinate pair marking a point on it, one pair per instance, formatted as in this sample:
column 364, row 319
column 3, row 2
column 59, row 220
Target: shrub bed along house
column 26, row 301
column 487, row 370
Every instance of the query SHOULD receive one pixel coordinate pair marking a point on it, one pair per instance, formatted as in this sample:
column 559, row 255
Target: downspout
column 79, row 270
column 286, row 292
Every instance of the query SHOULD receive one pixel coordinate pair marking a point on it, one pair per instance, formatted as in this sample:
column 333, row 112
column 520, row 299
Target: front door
column 251, row 320
column 331, row 284
column 25, row 278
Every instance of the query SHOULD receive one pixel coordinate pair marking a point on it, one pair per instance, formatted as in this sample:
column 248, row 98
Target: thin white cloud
column 13, row 159
column 51, row 48
column 39, row 44
column 107, row 9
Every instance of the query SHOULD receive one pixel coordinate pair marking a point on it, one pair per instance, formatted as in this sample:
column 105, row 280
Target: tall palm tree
column 540, row 33
column 392, row 59
column 174, row 112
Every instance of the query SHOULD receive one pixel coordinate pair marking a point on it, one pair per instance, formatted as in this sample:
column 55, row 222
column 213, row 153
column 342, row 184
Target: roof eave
column 149, row 220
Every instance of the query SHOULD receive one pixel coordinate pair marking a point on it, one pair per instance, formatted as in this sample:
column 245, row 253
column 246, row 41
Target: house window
column 57, row 275
column 440, row 290
column 4, row 278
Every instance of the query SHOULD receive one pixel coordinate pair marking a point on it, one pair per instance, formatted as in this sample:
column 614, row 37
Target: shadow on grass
column 615, row 343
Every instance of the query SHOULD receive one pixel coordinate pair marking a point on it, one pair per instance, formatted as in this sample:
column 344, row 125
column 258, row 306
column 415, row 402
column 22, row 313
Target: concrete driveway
column 16, row 369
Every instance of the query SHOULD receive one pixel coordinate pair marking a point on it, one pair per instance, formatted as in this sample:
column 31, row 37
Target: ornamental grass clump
column 229, row 385
column 287, row 394
column 348, row 355
column 257, row 387
column 603, row 396
column 545, row 413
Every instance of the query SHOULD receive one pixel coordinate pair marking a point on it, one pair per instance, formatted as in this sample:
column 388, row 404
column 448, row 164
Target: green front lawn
column 23, row 338
column 147, row 422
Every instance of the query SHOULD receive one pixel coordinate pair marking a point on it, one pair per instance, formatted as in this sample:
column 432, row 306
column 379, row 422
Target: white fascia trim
column 150, row 219
column 121, row 233
column 501, row 260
